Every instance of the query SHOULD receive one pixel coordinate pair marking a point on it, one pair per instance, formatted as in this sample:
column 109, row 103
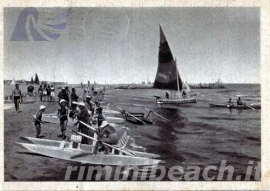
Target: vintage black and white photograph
column 132, row 94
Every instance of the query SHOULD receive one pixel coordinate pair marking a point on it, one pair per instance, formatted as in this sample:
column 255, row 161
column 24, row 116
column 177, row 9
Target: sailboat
column 168, row 77
column 13, row 82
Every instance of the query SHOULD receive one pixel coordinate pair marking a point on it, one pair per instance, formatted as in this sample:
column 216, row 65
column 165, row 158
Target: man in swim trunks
column 17, row 97
column 107, row 134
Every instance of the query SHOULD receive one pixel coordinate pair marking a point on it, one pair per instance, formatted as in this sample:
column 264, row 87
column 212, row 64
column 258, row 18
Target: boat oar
column 93, row 139
column 250, row 107
column 131, row 115
column 90, row 127
column 158, row 115
column 42, row 121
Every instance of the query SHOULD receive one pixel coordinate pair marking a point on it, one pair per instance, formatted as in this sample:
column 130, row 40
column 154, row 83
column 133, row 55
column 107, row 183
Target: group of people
column 238, row 102
column 184, row 95
column 46, row 93
column 86, row 110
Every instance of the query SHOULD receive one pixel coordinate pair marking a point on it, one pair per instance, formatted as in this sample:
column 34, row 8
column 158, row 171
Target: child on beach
column 63, row 116
column 38, row 120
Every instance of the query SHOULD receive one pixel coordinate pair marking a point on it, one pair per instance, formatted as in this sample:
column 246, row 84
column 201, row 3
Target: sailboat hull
column 175, row 102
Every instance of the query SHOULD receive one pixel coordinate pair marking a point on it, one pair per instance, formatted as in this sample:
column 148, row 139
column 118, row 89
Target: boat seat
column 76, row 138
column 122, row 142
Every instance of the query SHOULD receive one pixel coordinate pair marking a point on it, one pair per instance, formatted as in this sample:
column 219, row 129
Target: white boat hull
column 84, row 154
column 175, row 102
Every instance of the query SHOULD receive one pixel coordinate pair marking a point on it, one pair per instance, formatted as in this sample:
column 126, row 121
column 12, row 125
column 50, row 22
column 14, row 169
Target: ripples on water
column 198, row 134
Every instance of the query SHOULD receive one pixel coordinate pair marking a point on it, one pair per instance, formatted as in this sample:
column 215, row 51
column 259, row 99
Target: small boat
column 136, row 118
column 233, row 106
column 168, row 78
column 176, row 101
column 77, row 152
column 140, row 116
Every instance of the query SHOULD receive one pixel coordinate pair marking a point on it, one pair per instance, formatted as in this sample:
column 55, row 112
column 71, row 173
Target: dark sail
column 167, row 73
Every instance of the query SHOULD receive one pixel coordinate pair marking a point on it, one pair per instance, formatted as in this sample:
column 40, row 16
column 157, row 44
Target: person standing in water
column 17, row 97
column 63, row 116
column 38, row 120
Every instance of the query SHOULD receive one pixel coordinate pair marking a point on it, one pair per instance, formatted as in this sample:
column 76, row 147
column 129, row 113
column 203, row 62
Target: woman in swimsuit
column 63, row 116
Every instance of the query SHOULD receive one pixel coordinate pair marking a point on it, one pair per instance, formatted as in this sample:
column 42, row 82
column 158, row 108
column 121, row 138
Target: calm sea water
column 200, row 135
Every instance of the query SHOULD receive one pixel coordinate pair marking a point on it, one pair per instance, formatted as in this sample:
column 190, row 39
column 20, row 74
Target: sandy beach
column 25, row 167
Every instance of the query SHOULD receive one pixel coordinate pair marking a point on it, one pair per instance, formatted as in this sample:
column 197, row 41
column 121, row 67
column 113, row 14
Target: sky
column 120, row 45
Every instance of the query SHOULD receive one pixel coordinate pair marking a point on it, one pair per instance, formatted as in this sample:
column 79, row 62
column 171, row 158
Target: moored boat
column 136, row 118
column 139, row 116
column 85, row 153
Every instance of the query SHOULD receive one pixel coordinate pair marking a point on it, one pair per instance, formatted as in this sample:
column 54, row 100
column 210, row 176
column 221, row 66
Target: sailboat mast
column 177, row 79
